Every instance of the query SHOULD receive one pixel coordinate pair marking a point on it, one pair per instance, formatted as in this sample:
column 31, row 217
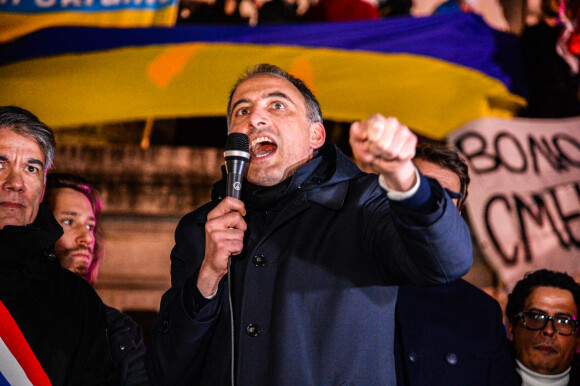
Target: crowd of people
column 253, row 12
column 320, row 274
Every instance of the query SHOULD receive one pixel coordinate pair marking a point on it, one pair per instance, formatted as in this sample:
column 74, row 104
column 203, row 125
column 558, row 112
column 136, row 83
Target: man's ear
column 510, row 330
column 317, row 135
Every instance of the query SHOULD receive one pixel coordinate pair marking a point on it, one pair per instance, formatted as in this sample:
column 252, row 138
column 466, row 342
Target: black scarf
column 263, row 198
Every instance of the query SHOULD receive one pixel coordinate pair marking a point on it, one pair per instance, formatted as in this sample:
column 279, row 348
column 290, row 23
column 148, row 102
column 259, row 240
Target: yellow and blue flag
column 434, row 73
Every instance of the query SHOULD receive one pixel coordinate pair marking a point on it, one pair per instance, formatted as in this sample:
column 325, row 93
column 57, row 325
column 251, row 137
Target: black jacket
column 127, row 348
column 59, row 313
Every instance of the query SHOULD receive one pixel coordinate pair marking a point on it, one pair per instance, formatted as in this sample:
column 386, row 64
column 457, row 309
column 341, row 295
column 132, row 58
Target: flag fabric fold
column 434, row 73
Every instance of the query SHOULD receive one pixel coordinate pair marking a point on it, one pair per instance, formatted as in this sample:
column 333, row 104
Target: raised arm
column 429, row 241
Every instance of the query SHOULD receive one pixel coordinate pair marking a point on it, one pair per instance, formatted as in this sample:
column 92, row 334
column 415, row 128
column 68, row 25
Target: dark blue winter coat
column 451, row 335
column 314, row 290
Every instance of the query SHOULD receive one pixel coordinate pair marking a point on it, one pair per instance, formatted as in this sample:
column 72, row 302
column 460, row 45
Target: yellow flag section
column 429, row 95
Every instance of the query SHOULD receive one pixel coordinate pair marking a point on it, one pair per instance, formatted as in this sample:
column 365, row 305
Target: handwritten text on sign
column 524, row 198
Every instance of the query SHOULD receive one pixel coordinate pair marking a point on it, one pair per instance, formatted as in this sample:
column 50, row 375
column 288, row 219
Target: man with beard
column 52, row 323
column 317, row 248
column 76, row 206
column 543, row 328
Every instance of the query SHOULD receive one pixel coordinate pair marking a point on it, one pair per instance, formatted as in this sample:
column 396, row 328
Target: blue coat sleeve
column 428, row 248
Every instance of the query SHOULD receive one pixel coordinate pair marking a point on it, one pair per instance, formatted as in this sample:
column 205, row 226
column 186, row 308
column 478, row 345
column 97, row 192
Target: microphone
column 237, row 155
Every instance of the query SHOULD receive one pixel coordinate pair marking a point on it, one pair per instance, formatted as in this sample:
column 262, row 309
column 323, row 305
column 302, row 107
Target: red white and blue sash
column 18, row 364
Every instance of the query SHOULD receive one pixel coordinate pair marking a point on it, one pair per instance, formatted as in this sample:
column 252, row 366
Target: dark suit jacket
column 450, row 335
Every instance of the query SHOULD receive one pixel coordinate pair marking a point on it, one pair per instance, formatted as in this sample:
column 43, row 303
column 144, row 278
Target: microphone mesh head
column 238, row 141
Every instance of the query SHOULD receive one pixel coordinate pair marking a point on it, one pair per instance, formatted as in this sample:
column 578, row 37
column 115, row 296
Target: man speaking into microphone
column 317, row 250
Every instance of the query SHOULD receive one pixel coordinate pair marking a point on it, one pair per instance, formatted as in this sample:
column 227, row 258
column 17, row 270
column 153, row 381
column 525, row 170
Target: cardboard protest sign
column 524, row 196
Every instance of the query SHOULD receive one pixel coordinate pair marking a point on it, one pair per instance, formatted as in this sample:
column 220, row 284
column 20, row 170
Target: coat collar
column 24, row 247
column 331, row 192
column 321, row 180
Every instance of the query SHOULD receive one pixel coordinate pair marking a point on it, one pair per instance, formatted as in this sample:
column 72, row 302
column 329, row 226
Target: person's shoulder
column 473, row 292
column 464, row 285
column 456, row 292
column 76, row 290
column 66, row 280
column 117, row 320
column 114, row 315
column 366, row 184
column 344, row 169
column 71, row 294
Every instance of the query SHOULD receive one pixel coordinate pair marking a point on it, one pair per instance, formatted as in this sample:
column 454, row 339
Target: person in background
column 317, row 248
column 553, row 82
column 76, row 206
column 342, row 10
column 388, row 8
column 451, row 334
column 542, row 313
column 52, row 323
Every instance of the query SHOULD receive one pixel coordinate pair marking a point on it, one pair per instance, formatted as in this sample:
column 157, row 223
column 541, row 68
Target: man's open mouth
column 262, row 147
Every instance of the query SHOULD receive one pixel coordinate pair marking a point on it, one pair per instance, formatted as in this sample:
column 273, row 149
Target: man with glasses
column 543, row 328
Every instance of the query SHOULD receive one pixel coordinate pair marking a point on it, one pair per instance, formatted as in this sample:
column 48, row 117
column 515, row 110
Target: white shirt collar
column 531, row 378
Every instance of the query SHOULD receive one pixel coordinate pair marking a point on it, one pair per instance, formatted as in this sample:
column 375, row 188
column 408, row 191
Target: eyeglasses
column 535, row 321
column 453, row 194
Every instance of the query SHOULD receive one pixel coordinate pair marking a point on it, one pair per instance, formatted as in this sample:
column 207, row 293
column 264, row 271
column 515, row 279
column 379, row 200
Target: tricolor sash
column 18, row 364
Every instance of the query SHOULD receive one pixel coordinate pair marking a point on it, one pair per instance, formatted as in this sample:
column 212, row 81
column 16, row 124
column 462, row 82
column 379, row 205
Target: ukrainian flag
column 433, row 73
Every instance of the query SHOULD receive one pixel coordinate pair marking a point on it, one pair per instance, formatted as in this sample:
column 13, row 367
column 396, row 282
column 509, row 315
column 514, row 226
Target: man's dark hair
column 539, row 278
column 61, row 180
column 447, row 158
column 312, row 105
column 24, row 123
